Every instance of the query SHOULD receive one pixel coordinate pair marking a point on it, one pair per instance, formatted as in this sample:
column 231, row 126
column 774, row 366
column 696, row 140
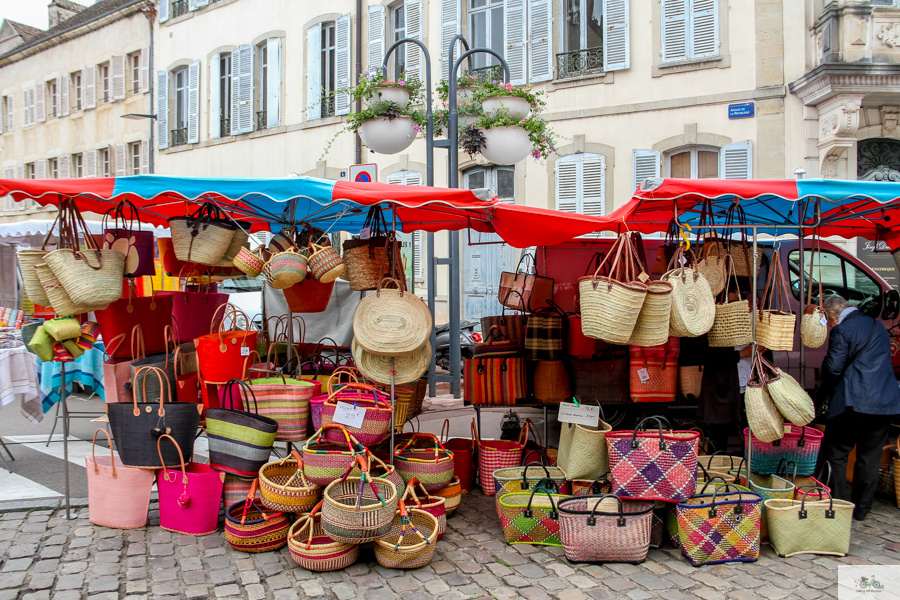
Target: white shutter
column 194, row 102
column 145, row 157
column 736, row 161
column 451, row 21
column 674, row 30
column 245, row 89
column 162, row 108
column 235, row 91
column 567, row 185
column 89, row 78
column 376, row 37
column 540, row 26
column 313, row 72
column 121, row 164
column 63, row 162
column 57, row 96
column 117, row 70
column 514, row 40
column 645, row 164
column 581, row 184
column 593, row 185
column 704, row 28
column 89, row 166
column 40, row 169
column 412, row 178
column 412, row 10
column 202, row 3
column 144, row 76
column 273, row 82
column 26, row 104
column 616, row 43
column 163, row 8
column 40, row 113
column 215, row 102
column 9, row 172
column 342, row 65
column 192, row 4
column 20, row 171
column 63, row 85
column 10, row 113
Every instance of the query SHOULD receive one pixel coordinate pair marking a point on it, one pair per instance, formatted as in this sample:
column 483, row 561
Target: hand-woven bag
column 545, row 333
column 496, row 454
column 711, row 262
column 495, row 344
column 741, row 253
column 410, row 543
column 189, row 504
column 284, row 487
column 316, row 551
column 499, row 381
column 285, row 269
column 814, row 323
column 377, row 422
column 551, row 382
column 325, row 263
column 27, row 261
column 325, row 461
column 284, row 239
column 202, row 237
column 597, row 487
column 693, row 303
column 452, row 494
column 767, row 486
column 391, row 321
column 424, row 500
column 406, row 367
column 118, row 496
column 367, row 261
column 799, row 445
column 249, row 528
column 605, row 529
column 249, row 263
column 690, row 381
column 789, row 397
column 583, row 452
column 810, row 527
column 286, row 400
column 732, row 325
column 653, row 465
column 653, row 378
column 380, row 469
column 526, row 478
column 775, row 325
column 63, row 328
column 463, row 450
column 512, row 326
column 720, row 527
column 765, row 421
column 652, row 326
column 803, row 484
column 610, row 304
column 239, row 241
column 433, row 470
column 240, row 442
column 530, row 517
column 673, row 532
column 359, row 509
column 236, row 489
column 60, row 301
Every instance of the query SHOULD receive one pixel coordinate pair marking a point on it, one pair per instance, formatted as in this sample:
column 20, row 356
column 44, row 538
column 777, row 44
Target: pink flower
column 401, row 83
column 416, row 127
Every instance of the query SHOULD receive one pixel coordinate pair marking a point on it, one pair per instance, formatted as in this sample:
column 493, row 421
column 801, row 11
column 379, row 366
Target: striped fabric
column 239, row 443
column 495, row 381
column 544, row 336
column 287, row 401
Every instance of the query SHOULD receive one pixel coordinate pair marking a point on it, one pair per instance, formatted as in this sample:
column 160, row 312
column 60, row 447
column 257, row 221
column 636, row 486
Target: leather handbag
column 551, row 382
column 512, row 326
column 193, row 310
column 136, row 245
column 117, row 371
column 153, row 313
column 309, row 296
column 221, row 353
column 495, row 381
column 533, row 291
column 495, row 344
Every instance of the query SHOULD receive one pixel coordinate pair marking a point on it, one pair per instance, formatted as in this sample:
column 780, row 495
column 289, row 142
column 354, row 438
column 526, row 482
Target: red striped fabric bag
column 286, row 400
column 495, row 381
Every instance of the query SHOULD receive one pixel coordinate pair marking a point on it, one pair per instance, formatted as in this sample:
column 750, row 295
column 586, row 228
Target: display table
column 87, row 370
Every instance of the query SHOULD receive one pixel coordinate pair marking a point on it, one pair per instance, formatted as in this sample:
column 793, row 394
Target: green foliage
column 543, row 140
column 371, row 80
column 385, row 109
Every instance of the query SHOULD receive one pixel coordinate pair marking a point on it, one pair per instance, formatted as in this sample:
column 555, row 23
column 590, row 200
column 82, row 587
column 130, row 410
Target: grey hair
column 836, row 304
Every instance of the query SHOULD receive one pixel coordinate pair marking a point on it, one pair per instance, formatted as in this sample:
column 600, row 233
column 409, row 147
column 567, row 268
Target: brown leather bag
column 534, row 291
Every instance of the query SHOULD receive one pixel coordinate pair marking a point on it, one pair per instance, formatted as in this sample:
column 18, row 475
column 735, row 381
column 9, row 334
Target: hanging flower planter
column 518, row 108
column 466, row 121
column 397, row 95
column 385, row 135
column 505, row 145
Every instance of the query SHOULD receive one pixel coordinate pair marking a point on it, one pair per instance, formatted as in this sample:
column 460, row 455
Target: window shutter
column 593, row 186
column 736, row 161
column 245, row 88
column 121, row 167
column 540, row 25
column 567, row 185
column 40, row 113
column 89, row 78
column 64, row 171
column 145, row 157
column 194, row 102
column 144, row 76
column 58, row 96
column 376, row 37
column 10, row 113
column 273, row 82
column 674, row 30
column 20, row 171
column 412, row 10
column 616, row 43
column 9, row 172
column 514, row 40
column 704, row 28
column 215, row 102
column 26, row 110
column 645, row 164
column 192, row 4
column 89, row 168
column 202, row 3
column 117, row 72
column 342, row 65
column 62, row 84
column 412, row 178
column 451, row 20
column 313, row 72
column 163, row 8
column 40, row 169
column 235, row 91
column 162, row 108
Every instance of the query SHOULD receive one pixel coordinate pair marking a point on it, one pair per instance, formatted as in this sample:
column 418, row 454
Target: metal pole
column 65, row 410
column 802, row 278
column 753, row 278
column 151, row 111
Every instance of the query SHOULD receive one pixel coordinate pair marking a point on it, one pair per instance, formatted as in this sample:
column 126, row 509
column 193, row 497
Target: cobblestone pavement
column 43, row 556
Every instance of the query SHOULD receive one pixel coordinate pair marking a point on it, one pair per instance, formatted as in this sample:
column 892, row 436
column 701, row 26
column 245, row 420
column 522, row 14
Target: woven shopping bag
column 765, row 421
column 789, row 397
column 803, row 484
column 653, row 465
column 418, row 497
column 693, row 303
column 286, row 400
column 720, row 527
column 239, row 441
column 496, row 454
column 545, row 333
column 551, row 382
column 410, row 543
column 202, row 237
column 583, row 452
column 495, row 344
column 433, row 470
column 810, row 526
column 118, row 496
column 814, row 323
column 732, row 324
column 672, row 532
column 313, row 550
column 530, row 517
column 767, row 486
column 250, row 528
column 741, row 254
column 325, row 461
column 774, row 321
column 605, row 528
column 495, row 381
column 376, row 425
column 359, row 509
column 653, row 378
column 527, row 478
column 799, row 445
column 189, row 503
column 284, row 487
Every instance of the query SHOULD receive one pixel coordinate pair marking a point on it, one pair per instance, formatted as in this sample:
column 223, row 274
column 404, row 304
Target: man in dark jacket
column 866, row 396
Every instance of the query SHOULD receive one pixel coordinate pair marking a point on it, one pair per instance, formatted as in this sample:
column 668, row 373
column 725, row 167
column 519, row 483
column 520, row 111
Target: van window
column 839, row 277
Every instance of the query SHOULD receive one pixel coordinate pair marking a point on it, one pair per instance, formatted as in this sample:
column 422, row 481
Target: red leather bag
column 222, row 352
column 187, row 383
column 152, row 313
column 309, row 296
column 191, row 311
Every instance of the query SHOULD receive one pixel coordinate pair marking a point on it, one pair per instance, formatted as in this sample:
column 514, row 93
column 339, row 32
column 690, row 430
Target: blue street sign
column 744, row 110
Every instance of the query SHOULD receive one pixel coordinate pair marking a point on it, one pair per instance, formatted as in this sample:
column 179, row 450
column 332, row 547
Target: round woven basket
column 408, row 367
column 249, row 263
column 407, row 547
column 452, row 494
column 731, row 326
column 239, row 240
column 27, row 261
column 59, row 300
column 312, row 549
column 207, row 247
column 356, row 515
column 765, row 421
column 713, row 269
column 391, row 321
column 284, row 487
column 285, row 269
column 652, row 325
column 90, row 277
column 775, row 329
column 812, row 332
column 251, row 530
column 693, row 303
column 325, row 263
column 609, row 308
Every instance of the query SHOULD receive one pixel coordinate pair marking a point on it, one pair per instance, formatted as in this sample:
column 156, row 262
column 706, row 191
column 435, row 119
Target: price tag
column 787, row 427
column 345, row 414
column 569, row 412
column 824, row 321
column 365, row 233
column 245, row 350
column 643, row 375
column 683, row 260
column 643, row 277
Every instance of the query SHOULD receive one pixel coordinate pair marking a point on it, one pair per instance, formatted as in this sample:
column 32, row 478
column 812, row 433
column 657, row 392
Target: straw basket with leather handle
column 732, row 325
column 367, row 261
column 764, row 419
column 775, row 325
column 740, row 253
column 202, row 237
column 27, row 261
column 814, row 323
column 711, row 263
column 789, row 397
column 392, row 321
column 693, row 303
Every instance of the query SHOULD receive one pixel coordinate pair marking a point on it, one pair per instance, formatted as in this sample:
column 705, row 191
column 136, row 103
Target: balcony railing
column 491, row 73
column 179, row 7
column 579, row 63
column 224, row 127
column 261, row 120
column 328, row 106
column 179, row 137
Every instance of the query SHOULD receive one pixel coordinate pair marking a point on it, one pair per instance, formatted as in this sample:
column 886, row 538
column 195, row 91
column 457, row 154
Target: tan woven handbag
column 693, row 303
column 652, row 325
column 789, row 397
column 740, row 252
column 813, row 323
column 583, row 452
column 775, row 326
column 763, row 417
column 712, row 254
column 732, row 325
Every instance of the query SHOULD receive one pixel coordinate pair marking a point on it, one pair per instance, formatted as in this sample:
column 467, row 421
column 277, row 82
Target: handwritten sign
column 569, row 412
column 346, row 414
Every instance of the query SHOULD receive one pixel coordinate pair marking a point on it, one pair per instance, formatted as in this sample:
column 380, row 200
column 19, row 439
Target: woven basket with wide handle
column 284, row 487
column 318, row 552
column 732, row 325
column 359, row 509
column 433, row 470
column 775, row 325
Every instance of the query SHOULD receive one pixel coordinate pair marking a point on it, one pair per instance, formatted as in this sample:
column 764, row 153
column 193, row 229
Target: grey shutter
column 273, row 82
column 192, row 4
column 376, row 37
column 736, row 161
column 20, row 171
column 26, row 107
column 163, row 8
column 415, row 69
column 704, row 28
column 235, row 91
column 215, row 102
column 202, row 3
column 40, row 169
column 313, row 72
column 144, row 77
column 245, row 89
column 616, row 42
column 674, row 30
column 89, row 80
column 514, row 40
column 63, row 165
column 194, row 102
column 645, row 164
column 117, row 70
column 62, row 84
column 145, row 157
column 342, row 65
column 162, row 109
column 451, row 22
column 540, row 26
column 39, row 112
column 121, row 166
column 89, row 168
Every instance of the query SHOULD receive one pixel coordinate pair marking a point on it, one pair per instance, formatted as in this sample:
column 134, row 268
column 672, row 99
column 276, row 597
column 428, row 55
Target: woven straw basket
column 89, row 277
column 249, row 263
column 285, row 269
column 813, row 332
column 790, row 398
column 27, row 261
column 405, row 547
column 315, row 551
column 452, row 494
column 652, row 326
column 207, row 247
column 354, row 517
column 765, row 421
column 238, row 241
column 732, row 326
column 367, row 262
column 610, row 309
column 693, row 303
column 58, row 298
column 325, row 263
column 775, row 329
column 713, row 270
column 391, row 321
column 824, row 528
column 284, row 487
column 408, row 366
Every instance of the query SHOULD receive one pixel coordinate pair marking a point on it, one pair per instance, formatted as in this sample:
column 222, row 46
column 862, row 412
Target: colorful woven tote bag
column 249, row 529
column 286, row 400
column 495, row 381
column 720, row 527
column 496, row 454
column 800, row 446
column 315, row 551
column 376, row 425
column 325, row 461
column 531, row 517
column 433, row 471
column 605, row 529
column 239, row 442
column 653, row 465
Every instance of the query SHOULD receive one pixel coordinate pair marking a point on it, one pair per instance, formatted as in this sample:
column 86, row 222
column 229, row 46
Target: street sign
column 364, row 173
column 744, row 110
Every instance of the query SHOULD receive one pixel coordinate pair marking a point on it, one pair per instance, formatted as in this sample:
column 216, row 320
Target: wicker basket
column 765, row 421
column 813, row 332
column 325, row 263
column 284, row 487
column 419, row 397
column 285, row 269
column 359, row 509
column 249, row 529
column 713, row 270
column 693, row 303
column 732, row 325
column 198, row 242
column 91, row 277
column 403, row 398
column 316, row 551
column 325, row 461
column 652, row 326
column 366, row 262
column 775, row 329
column 434, row 469
column 409, row 544
column 452, row 494
column 58, row 298
column 249, row 263
column 239, row 240
column 424, row 500
column 790, row 398
column 27, row 261
column 391, row 321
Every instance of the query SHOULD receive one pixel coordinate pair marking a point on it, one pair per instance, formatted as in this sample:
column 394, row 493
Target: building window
column 398, row 32
column 501, row 179
column 582, row 48
column 179, row 7
column 180, row 123
column 78, row 162
column 224, row 94
column 328, row 69
column 104, row 82
column 104, row 162
column 690, row 29
column 76, row 85
column 486, row 30
column 136, row 158
column 53, row 163
column 54, row 98
column 263, row 53
column 698, row 162
column 135, row 63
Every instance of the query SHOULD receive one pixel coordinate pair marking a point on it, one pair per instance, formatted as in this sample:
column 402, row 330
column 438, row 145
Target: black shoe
column 860, row 515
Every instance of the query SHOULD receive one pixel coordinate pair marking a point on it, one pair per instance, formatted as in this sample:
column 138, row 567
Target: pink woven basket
column 376, row 425
column 496, row 454
column 189, row 502
column 118, row 496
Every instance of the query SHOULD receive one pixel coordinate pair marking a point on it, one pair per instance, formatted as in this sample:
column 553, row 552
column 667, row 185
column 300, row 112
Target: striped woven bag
column 325, row 461
column 318, row 552
column 249, row 529
column 286, row 400
column 434, row 471
column 239, row 442
column 436, row 506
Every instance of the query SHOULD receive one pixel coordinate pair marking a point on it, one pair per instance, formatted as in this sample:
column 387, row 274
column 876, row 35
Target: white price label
column 787, row 427
column 365, row 233
column 569, row 412
column 643, row 375
column 824, row 321
column 245, row 351
column 346, row 414
column 683, row 260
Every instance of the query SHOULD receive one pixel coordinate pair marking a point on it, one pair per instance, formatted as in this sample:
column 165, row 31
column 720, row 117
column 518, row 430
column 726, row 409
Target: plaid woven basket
column 671, row 518
column 496, row 454
column 800, row 445
column 434, row 471
column 719, row 528
column 605, row 528
column 530, row 517
column 598, row 487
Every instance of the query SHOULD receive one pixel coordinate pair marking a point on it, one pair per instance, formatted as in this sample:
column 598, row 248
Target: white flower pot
column 397, row 95
column 464, row 94
column 464, row 121
column 518, row 107
column 388, row 137
column 505, row 145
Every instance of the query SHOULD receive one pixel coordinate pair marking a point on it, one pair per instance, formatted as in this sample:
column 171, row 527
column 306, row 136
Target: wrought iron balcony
column 491, row 73
column 179, row 7
column 261, row 120
column 579, row 63
column 327, row 105
column 179, row 137
column 224, row 127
